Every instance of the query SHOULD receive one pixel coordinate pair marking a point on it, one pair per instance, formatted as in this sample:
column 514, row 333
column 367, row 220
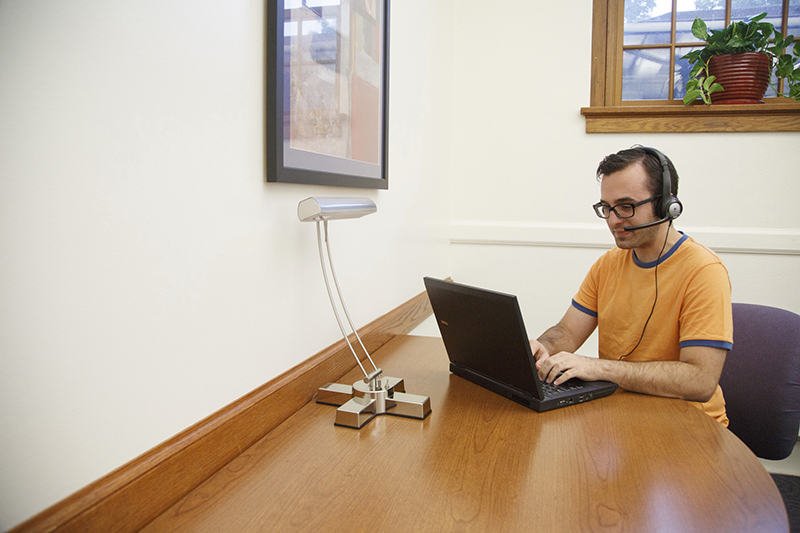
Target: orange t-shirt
column 693, row 307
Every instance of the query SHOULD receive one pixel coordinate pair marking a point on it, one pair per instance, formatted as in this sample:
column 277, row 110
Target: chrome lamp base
column 364, row 400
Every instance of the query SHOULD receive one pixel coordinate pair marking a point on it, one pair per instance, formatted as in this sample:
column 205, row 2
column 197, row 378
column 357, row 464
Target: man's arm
column 694, row 377
column 566, row 336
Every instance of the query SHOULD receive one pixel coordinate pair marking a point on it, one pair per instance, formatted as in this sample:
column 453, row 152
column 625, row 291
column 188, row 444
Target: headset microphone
column 674, row 212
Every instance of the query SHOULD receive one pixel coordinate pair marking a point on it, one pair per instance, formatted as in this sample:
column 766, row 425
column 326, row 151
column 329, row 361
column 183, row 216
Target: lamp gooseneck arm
column 377, row 371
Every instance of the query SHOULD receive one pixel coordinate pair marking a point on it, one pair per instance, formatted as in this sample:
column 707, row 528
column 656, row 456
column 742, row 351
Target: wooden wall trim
column 772, row 116
column 599, row 54
column 131, row 496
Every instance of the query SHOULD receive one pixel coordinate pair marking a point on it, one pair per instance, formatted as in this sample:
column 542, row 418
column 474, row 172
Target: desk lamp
column 373, row 395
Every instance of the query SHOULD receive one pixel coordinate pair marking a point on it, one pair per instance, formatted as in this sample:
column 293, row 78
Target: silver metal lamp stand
column 374, row 395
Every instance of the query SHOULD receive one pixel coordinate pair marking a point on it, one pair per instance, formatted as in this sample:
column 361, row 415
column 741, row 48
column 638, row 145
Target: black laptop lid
column 483, row 331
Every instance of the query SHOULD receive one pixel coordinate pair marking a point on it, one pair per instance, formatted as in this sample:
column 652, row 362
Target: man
column 661, row 301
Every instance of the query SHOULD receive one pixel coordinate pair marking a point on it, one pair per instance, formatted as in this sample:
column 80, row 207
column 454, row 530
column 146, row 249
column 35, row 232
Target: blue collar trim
column 664, row 257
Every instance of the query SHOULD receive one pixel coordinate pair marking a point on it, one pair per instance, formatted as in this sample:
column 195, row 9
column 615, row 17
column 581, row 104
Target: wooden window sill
column 692, row 119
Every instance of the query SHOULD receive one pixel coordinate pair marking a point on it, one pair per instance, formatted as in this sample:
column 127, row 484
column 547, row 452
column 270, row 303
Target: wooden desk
column 628, row 462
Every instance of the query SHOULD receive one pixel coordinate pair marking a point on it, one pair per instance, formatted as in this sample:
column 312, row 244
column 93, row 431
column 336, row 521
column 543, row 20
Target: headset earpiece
column 673, row 208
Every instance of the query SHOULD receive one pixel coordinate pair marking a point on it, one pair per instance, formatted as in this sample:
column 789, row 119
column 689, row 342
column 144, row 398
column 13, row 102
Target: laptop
column 485, row 339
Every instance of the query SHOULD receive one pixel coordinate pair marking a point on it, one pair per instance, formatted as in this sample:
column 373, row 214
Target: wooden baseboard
column 130, row 497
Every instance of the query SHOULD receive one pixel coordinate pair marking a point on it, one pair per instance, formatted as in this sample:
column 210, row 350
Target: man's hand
column 539, row 351
column 562, row 366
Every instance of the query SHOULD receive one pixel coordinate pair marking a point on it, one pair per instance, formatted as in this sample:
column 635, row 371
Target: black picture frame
column 328, row 92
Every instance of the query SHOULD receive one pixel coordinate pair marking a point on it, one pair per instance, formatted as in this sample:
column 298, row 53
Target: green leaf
column 794, row 92
column 784, row 44
column 737, row 42
column 750, row 30
column 758, row 17
column 699, row 29
column 766, row 29
column 692, row 56
column 784, row 66
column 708, row 81
column 692, row 84
column 716, row 49
column 691, row 96
column 787, row 42
column 715, row 88
column 696, row 70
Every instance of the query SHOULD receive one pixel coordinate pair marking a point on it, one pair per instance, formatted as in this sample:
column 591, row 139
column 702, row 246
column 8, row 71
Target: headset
column 669, row 207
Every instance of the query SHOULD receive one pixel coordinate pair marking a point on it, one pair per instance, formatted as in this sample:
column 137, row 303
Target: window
column 638, row 74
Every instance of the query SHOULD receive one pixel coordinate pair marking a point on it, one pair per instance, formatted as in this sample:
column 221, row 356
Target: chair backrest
column 761, row 379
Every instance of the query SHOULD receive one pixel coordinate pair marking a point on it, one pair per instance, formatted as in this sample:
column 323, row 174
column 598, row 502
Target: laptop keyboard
column 549, row 388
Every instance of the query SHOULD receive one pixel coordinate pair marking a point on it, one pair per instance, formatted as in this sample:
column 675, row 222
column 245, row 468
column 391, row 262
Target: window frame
column 607, row 114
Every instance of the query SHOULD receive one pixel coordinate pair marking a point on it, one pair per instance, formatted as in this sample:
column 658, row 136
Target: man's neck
column 653, row 250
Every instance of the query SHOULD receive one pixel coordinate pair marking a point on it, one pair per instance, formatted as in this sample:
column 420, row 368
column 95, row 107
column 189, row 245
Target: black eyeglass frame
column 600, row 206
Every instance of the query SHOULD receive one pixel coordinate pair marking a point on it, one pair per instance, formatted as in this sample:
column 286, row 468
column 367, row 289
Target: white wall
column 522, row 220
column 148, row 275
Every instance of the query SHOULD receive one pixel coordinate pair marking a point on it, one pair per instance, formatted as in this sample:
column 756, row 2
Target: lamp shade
column 316, row 208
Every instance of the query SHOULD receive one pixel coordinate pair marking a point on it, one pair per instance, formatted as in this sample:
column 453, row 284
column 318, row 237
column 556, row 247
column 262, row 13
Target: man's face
column 629, row 186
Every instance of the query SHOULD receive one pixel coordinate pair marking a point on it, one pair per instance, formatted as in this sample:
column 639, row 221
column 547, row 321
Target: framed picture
column 327, row 92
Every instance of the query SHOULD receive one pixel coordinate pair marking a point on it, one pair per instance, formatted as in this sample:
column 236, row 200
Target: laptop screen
column 483, row 331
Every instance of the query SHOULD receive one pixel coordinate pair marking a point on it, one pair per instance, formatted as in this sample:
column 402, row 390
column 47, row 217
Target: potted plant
column 751, row 49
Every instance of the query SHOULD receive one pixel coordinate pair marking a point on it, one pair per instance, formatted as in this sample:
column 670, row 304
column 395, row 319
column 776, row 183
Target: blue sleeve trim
column 579, row 307
column 713, row 344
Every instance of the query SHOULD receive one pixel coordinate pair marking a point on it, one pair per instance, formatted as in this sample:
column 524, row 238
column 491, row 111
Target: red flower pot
column 745, row 77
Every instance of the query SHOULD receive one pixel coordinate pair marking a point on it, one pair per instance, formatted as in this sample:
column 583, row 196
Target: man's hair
column 652, row 165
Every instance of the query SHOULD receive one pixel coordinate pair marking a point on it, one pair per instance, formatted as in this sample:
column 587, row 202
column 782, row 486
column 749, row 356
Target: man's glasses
column 621, row 210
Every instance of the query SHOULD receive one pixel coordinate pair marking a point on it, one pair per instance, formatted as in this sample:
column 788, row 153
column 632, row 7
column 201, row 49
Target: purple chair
column 761, row 379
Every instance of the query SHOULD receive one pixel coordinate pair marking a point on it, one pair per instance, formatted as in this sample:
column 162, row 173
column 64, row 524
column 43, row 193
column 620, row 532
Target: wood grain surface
column 628, row 462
